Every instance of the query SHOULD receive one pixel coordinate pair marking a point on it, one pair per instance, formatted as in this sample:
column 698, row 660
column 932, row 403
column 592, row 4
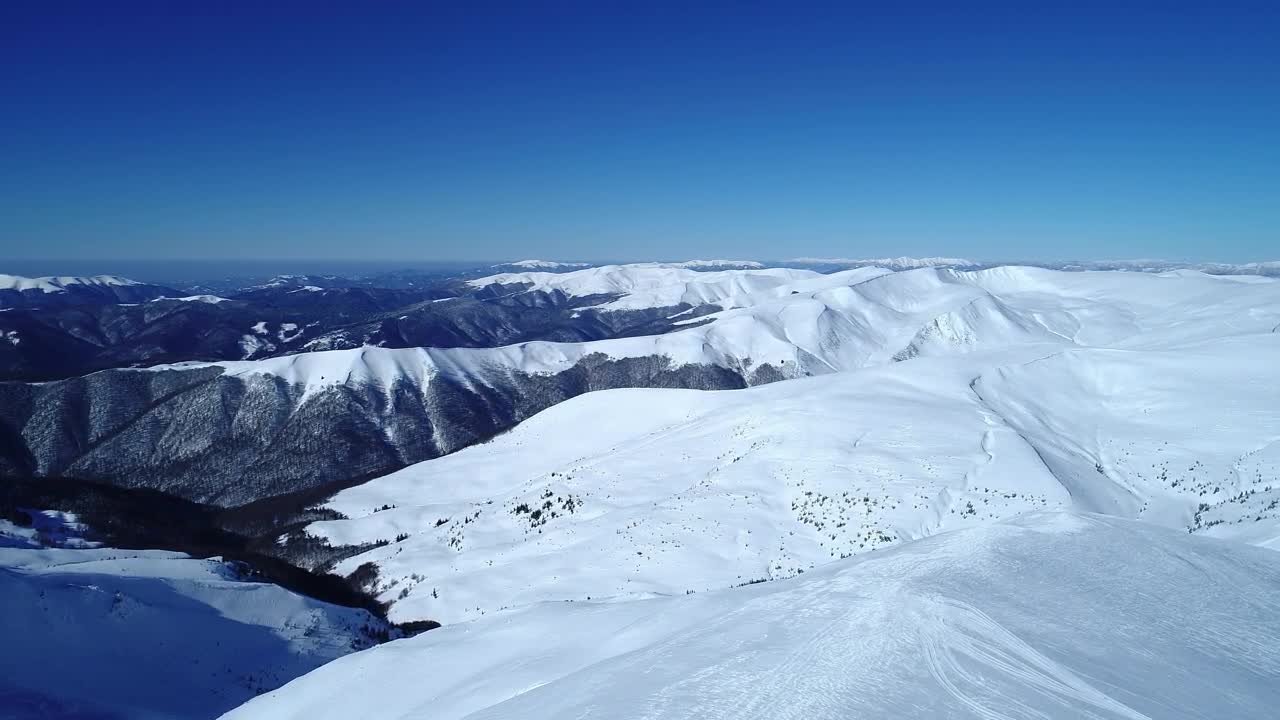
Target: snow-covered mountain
column 989, row 472
column 654, row 285
column 542, row 265
column 108, row 633
column 18, row 291
column 631, row 493
column 898, row 263
column 1047, row 616
column 380, row 409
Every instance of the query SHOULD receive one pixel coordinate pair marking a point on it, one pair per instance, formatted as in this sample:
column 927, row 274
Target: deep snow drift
column 1046, row 616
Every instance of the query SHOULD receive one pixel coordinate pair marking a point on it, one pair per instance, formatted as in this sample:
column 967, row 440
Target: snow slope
column 631, row 493
column 689, row 490
column 1045, row 616
column 152, row 634
column 1187, row 437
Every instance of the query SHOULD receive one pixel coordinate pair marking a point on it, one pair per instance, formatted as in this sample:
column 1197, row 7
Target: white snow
column 649, row 285
column 803, row 323
column 251, row 345
column 60, row 283
column 922, row 489
column 145, row 633
column 898, row 263
column 1046, row 616
column 211, row 299
column 688, row 490
column 718, row 264
column 542, row 264
column 999, row 372
column 11, row 337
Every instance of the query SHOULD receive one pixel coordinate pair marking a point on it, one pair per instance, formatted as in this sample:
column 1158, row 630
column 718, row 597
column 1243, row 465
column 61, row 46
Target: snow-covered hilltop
column 718, row 264
column 898, row 263
column 686, row 490
column 1047, row 615
column 778, row 323
column 980, row 395
column 62, row 283
column 18, row 291
column 543, row 265
column 654, row 285
column 959, row 483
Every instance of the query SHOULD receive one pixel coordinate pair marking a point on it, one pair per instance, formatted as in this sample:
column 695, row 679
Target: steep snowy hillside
column 1047, row 616
column 630, row 493
column 122, row 633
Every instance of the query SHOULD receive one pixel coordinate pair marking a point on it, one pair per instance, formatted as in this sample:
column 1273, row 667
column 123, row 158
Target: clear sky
column 472, row 130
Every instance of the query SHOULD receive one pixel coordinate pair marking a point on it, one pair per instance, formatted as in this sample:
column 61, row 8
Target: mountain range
column 757, row 480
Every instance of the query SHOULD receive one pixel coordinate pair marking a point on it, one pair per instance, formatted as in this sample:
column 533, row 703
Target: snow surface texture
column 83, row 626
column 1046, row 616
column 60, row 284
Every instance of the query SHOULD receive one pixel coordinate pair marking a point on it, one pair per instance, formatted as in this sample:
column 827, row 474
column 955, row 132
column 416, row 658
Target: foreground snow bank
column 1050, row 615
column 152, row 634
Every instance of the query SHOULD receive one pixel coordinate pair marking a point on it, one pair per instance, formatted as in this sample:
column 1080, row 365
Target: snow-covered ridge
column 1047, row 616
column 654, row 285
column 210, row 299
column 898, row 263
column 718, row 264
column 689, row 490
column 542, row 264
column 52, row 284
column 800, row 322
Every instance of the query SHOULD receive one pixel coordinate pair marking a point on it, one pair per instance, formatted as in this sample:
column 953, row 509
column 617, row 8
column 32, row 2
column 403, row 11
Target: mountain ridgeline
column 207, row 436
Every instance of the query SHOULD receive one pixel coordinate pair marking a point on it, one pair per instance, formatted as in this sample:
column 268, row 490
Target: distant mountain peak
column 898, row 263
column 542, row 264
column 53, row 284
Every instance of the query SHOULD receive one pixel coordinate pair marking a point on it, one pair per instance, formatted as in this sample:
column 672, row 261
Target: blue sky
column 428, row 131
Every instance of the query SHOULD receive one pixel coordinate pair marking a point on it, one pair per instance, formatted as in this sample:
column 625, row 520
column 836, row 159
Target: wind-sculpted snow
column 1046, row 616
column 108, row 633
